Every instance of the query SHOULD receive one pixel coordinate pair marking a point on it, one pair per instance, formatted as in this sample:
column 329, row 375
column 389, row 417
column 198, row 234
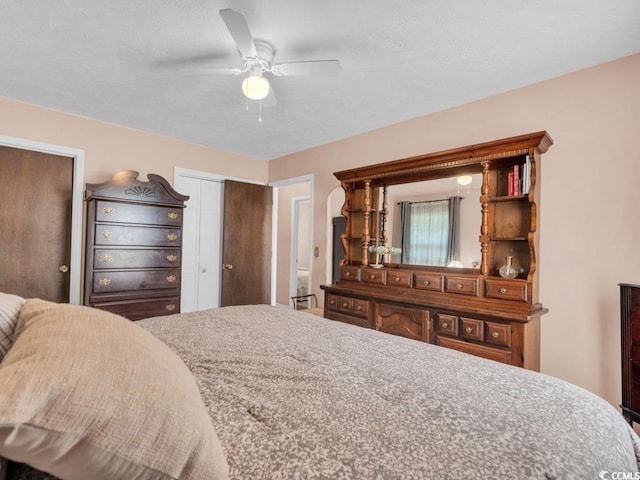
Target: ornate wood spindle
column 484, row 227
column 366, row 231
column 344, row 238
column 384, row 218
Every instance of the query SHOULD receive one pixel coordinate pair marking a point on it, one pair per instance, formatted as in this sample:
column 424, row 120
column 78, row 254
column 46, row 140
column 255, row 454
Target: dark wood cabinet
column 134, row 246
column 630, row 341
column 473, row 310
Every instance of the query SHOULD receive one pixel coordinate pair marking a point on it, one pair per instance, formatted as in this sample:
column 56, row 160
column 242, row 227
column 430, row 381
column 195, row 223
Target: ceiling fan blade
column 239, row 30
column 214, row 71
column 313, row 67
column 270, row 100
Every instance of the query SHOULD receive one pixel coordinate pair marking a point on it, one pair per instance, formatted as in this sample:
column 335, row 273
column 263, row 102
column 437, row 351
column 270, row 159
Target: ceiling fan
column 257, row 58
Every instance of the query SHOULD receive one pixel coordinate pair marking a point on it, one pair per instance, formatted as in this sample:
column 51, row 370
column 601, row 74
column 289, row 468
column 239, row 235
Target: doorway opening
column 292, row 237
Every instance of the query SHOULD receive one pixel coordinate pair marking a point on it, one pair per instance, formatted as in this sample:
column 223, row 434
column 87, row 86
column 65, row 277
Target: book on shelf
column 526, row 176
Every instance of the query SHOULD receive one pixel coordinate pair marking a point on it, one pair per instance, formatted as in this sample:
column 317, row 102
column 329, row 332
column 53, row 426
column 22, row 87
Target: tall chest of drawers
column 133, row 251
column 630, row 339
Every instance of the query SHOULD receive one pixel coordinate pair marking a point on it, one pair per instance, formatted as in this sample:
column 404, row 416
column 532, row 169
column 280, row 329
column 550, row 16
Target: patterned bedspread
column 295, row 396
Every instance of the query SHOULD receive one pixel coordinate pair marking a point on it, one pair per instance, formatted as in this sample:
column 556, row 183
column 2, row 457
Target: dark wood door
column 246, row 244
column 35, row 222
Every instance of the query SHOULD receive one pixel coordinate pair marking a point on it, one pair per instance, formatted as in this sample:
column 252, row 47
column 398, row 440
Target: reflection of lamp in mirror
column 381, row 250
column 464, row 180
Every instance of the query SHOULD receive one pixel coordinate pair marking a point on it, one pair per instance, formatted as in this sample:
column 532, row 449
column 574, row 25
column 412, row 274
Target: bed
column 295, row 396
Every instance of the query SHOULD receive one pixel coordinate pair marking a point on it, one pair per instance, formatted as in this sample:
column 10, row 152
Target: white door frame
column 75, row 267
column 284, row 183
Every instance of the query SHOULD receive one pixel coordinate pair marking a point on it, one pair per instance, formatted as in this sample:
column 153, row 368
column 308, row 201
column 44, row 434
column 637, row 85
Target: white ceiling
column 132, row 62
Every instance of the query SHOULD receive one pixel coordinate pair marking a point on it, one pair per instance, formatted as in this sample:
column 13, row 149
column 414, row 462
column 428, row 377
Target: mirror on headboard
column 419, row 195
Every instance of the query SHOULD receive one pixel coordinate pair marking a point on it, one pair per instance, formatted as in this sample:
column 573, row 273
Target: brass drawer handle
column 170, row 307
column 468, row 329
column 105, row 281
column 397, row 278
column 172, row 258
column 171, row 278
column 372, row 277
column 426, row 283
column 106, row 258
column 108, row 211
column 172, row 215
column 106, row 234
column 359, row 307
column 495, row 334
column 345, row 305
column 347, row 274
column 503, row 290
column 459, row 286
column 172, row 236
column 444, row 325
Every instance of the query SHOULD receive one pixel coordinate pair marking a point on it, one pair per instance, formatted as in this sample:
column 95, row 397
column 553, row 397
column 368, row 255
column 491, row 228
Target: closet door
column 35, row 223
column 246, row 247
column 201, row 270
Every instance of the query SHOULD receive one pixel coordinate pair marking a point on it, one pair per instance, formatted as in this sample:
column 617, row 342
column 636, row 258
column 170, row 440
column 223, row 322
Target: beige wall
column 110, row 148
column 590, row 196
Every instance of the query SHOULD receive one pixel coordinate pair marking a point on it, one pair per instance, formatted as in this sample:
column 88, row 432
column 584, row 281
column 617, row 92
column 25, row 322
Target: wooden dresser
column 472, row 310
column 133, row 251
column 630, row 339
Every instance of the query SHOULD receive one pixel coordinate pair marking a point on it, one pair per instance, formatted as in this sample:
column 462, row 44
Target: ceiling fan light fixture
column 464, row 179
column 255, row 87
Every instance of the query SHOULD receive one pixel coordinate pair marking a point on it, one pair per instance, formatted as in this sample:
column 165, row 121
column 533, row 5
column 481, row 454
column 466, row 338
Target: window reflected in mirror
column 435, row 222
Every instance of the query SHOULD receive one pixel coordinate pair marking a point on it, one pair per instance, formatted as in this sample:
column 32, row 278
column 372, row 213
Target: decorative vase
column 508, row 270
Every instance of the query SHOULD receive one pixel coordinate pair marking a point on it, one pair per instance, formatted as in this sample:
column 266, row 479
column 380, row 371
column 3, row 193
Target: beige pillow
column 10, row 306
column 86, row 394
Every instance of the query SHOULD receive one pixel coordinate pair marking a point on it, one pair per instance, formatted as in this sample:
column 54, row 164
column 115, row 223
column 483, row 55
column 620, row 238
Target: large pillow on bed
column 85, row 394
column 10, row 306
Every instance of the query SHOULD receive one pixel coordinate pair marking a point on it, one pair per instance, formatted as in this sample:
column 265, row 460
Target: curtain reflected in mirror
column 434, row 225
column 430, row 232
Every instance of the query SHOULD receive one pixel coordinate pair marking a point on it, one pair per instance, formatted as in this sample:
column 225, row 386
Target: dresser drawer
column 498, row 333
column 462, row 285
column 399, row 278
column 348, row 272
column 135, row 258
column 360, row 307
column 446, row 324
column 109, row 281
column 403, row 321
column 132, row 213
column 375, row 276
column 428, row 281
column 345, row 304
column 497, row 354
column 471, row 328
column 333, row 301
column 141, row 308
column 144, row 236
column 506, row 290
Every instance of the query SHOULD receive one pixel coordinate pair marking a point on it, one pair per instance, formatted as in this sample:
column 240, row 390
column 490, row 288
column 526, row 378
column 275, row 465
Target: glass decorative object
column 508, row 270
column 382, row 250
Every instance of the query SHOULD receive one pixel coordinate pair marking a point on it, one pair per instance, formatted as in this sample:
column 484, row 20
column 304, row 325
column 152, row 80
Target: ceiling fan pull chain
column 260, row 111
